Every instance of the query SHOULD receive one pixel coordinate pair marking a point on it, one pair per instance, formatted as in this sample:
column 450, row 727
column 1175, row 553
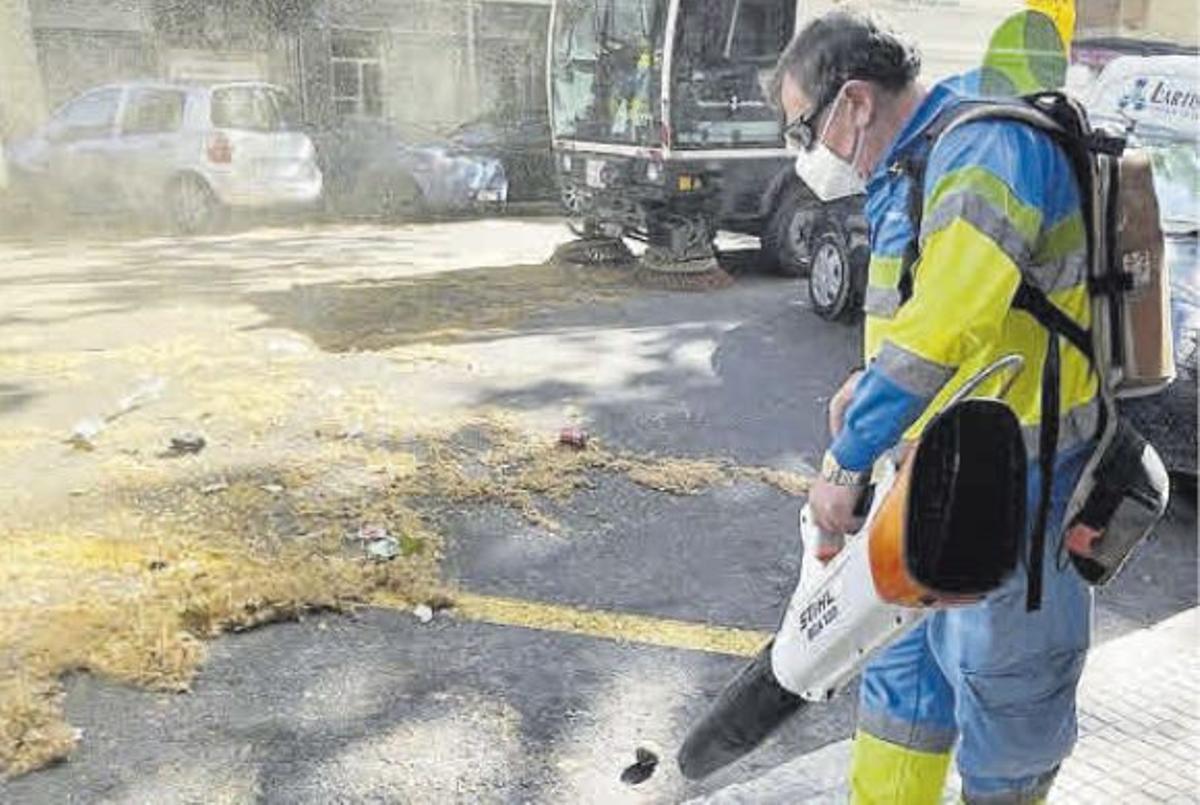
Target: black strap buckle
column 1101, row 142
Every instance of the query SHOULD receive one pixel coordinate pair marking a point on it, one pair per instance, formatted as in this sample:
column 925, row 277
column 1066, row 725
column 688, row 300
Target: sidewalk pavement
column 1139, row 732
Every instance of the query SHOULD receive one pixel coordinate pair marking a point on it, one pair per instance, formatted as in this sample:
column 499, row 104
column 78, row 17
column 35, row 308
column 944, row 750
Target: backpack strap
column 1034, row 302
column 913, row 166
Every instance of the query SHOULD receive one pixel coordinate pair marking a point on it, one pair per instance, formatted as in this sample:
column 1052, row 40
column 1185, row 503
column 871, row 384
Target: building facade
column 424, row 64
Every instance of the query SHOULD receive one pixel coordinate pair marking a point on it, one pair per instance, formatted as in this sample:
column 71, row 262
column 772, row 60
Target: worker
column 1000, row 203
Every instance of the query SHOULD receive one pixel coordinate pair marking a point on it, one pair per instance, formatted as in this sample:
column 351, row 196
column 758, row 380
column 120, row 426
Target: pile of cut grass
column 129, row 584
column 133, row 594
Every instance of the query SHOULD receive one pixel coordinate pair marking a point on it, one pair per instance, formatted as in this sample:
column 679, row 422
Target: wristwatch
column 836, row 474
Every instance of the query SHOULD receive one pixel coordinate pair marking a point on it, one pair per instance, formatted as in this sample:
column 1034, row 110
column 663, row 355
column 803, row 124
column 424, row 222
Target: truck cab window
column 605, row 78
column 723, row 50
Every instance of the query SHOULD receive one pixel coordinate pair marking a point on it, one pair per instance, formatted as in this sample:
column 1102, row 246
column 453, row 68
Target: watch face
column 834, row 473
column 829, row 465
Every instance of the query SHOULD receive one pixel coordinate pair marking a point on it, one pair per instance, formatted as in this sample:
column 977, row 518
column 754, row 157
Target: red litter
column 573, row 437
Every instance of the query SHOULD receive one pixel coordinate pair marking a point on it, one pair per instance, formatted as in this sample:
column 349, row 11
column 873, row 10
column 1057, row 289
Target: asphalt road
column 380, row 707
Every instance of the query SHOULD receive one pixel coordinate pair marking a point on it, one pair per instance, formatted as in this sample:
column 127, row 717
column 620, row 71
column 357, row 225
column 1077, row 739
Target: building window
column 357, row 74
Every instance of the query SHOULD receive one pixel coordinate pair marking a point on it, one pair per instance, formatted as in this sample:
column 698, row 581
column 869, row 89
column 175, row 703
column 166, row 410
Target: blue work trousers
column 992, row 679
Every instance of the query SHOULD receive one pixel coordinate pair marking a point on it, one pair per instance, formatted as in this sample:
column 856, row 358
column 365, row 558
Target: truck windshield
column 724, row 52
column 604, row 70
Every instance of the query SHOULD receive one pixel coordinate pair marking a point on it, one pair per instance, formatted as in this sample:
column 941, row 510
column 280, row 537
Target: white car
column 190, row 152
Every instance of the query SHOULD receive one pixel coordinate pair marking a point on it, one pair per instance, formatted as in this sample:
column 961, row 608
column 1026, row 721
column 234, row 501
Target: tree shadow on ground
column 97, row 276
column 14, row 397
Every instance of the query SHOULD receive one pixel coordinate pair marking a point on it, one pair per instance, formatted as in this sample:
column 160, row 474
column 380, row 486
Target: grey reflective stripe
column 1059, row 275
column 921, row 737
column 911, row 372
column 980, row 213
column 1074, row 427
column 1033, row 792
column 882, row 302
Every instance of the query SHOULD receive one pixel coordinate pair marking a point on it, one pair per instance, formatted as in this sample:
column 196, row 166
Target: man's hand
column 833, row 507
column 841, row 401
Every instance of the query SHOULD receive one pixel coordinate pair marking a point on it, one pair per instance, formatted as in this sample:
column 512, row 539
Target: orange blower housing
column 951, row 527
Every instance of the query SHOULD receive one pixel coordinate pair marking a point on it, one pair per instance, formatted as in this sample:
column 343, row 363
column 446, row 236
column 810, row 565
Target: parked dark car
column 372, row 169
column 522, row 143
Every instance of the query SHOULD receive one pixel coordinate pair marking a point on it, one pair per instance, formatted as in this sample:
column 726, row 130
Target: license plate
column 595, row 173
column 490, row 195
column 268, row 169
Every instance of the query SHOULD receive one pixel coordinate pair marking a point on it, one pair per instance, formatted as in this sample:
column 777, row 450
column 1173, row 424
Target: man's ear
column 863, row 103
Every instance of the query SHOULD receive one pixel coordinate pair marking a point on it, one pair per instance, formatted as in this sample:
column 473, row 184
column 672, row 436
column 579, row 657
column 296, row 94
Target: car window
column 1177, row 183
column 153, row 111
column 88, row 117
column 248, row 108
column 289, row 112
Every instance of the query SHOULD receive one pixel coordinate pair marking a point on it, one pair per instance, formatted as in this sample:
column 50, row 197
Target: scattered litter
column 384, row 549
column 642, row 769
column 157, row 565
column 273, row 489
column 377, row 543
column 83, row 435
column 573, row 437
column 186, row 444
column 212, row 489
column 149, row 391
column 423, row 612
column 369, row 533
column 286, row 346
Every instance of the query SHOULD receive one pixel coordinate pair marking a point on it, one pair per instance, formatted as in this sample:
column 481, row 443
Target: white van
column 1156, row 101
column 191, row 152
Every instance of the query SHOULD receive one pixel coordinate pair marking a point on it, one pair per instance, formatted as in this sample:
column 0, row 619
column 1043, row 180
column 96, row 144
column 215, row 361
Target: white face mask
column 829, row 176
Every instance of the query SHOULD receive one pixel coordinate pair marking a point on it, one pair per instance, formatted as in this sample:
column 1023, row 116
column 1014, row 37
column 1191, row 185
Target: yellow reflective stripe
column 883, row 773
column 982, row 183
column 1021, row 334
column 875, row 329
column 884, row 272
column 964, row 271
column 1063, row 239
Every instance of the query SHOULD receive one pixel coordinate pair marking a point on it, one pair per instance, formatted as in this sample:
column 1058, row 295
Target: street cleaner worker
column 999, row 204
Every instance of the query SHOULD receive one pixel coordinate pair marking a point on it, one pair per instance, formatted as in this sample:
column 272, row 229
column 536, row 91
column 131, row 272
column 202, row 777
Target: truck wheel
column 399, row 198
column 575, row 204
column 786, row 241
column 830, row 279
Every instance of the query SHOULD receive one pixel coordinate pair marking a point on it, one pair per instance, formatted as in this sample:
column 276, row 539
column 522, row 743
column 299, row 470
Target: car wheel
column 830, row 279
column 788, row 238
column 193, row 207
column 398, row 198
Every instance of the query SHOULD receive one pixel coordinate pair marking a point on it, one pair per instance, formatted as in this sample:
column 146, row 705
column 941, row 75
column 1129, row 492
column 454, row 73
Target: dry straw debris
column 129, row 583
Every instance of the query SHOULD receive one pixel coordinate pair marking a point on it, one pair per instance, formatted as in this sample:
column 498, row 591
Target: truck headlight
column 566, row 162
column 654, row 172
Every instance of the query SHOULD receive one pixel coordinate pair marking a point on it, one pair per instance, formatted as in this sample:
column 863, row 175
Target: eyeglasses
column 801, row 133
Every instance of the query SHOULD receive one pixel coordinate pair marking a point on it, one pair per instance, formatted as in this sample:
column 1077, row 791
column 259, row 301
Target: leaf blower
column 944, row 529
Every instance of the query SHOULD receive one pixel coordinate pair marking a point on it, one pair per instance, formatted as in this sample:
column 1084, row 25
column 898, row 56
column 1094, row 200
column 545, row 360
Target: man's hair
column 844, row 45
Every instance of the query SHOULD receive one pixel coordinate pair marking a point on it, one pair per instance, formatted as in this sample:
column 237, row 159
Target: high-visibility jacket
column 1000, row 203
